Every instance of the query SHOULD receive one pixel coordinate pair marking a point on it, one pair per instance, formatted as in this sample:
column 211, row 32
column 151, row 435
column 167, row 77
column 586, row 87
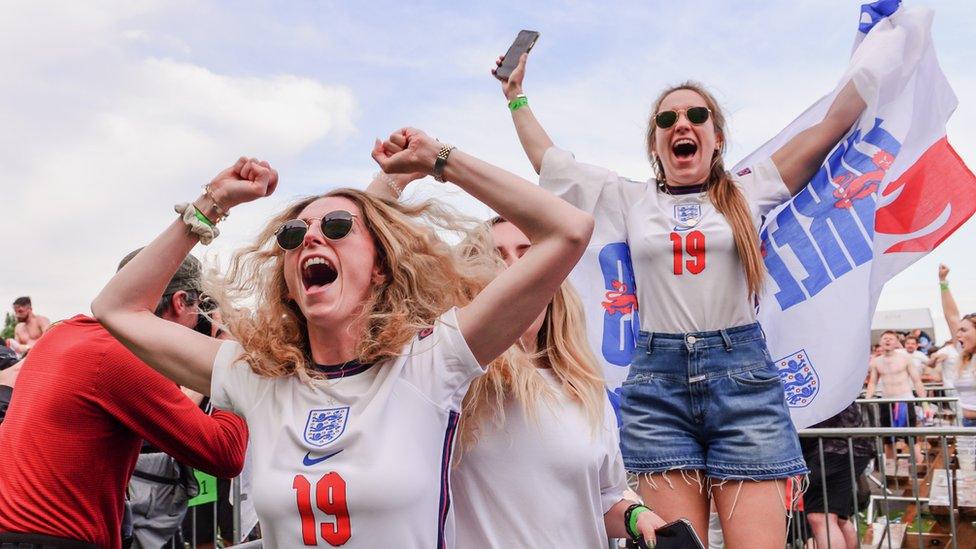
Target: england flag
column 888, row 193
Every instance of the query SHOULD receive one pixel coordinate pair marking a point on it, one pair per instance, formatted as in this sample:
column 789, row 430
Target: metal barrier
column 218, row 537
column 884, row 473
column 938, row 497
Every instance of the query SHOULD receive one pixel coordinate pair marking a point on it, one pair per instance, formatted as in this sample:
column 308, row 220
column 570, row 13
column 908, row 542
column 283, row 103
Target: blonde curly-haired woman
column 365, row 334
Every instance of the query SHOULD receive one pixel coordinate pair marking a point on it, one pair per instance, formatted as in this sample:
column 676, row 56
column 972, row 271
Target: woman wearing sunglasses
column 366, row 331
column 702, row 409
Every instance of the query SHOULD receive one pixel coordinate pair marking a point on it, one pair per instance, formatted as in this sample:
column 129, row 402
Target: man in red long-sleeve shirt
column 82, row 406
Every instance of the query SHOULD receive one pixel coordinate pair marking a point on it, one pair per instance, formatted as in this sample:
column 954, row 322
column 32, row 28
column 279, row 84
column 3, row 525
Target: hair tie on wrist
column 197, row 222
column 944, row 284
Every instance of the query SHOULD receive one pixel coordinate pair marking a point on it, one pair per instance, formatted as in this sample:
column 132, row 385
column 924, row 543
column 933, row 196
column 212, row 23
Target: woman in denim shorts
column 703, row 410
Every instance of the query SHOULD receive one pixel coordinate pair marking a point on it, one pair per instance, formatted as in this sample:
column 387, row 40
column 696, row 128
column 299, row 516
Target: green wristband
column 944, row 284
column 632, row 521
column 517, row 103
column 203, row 219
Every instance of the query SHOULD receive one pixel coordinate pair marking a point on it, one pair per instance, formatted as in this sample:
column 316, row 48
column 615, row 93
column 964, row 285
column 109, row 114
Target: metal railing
column 933, row 469
column 884, row 474
column 186, row 538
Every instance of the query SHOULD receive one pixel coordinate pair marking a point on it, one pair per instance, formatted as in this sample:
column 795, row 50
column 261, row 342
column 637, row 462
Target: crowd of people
column 901, row 365
column 392, row 388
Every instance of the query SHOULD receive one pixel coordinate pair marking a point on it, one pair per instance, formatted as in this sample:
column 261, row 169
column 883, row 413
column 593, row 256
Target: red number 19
column 694, row 244
column 330, row 497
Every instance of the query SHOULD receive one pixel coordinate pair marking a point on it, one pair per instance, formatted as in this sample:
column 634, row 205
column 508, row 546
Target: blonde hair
column 722, row 191
column 422, row 278
column 561, row 343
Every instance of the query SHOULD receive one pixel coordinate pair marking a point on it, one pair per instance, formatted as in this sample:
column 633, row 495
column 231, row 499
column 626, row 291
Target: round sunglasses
column 335, row 225
column 695, row 115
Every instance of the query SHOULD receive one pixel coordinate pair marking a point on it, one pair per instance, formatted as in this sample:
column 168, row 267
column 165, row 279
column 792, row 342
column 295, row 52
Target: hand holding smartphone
column 674, row 535
column 523, row 44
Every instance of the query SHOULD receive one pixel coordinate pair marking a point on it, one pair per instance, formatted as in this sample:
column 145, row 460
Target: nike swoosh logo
column 308, row 460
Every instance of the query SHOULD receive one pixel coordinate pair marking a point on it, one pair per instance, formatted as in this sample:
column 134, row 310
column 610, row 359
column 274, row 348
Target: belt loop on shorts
column 727, row 340
column 650, row 338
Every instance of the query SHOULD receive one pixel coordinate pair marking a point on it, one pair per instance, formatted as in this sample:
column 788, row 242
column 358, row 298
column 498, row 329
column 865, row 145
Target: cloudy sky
column 114, row 110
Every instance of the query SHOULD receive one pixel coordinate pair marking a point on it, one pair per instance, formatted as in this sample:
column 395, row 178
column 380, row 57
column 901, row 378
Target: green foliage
column 9, row 323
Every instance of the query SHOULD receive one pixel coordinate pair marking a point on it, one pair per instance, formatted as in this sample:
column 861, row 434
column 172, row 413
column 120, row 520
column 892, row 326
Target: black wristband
column 634, row 535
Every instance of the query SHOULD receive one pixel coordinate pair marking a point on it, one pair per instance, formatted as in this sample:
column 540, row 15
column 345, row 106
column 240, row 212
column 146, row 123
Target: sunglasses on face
column 695, row 115
column 335, row 226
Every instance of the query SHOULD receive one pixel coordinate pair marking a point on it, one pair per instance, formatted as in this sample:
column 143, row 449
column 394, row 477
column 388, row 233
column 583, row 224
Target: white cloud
column 98, row 149
column 113, row 110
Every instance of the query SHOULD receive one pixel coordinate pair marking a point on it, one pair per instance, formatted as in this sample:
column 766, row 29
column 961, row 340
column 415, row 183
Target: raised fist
column 943, row 271
column 408, row 150
column 248, row 179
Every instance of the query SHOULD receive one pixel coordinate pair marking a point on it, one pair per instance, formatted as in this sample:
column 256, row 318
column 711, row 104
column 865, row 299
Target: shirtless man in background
column 30, row 327
column 897, row 373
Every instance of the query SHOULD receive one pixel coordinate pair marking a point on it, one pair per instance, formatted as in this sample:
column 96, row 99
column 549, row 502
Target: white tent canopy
column 902, row 320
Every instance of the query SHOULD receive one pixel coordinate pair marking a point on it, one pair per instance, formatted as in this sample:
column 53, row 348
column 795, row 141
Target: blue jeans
column 711, row 401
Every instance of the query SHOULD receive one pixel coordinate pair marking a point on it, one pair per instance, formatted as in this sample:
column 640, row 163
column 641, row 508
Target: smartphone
column 677, row 535
column 523, row 44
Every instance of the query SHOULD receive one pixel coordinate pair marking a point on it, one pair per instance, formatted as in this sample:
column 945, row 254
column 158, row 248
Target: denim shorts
column 711, row 401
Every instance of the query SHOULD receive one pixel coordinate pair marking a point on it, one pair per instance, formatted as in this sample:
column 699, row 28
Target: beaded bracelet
column 630, row 519
column 390, row 182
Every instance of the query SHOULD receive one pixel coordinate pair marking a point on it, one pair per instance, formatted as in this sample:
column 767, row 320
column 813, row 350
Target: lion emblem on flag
column 800, row 380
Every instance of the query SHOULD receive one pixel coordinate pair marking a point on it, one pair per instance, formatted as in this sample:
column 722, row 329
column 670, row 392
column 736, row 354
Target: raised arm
column 559, row 233
column 800, row 158
column 535, row 141
column 125, row 306
column 949, row 307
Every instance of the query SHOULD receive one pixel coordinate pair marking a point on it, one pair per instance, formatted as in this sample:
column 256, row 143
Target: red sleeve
column 155, row 408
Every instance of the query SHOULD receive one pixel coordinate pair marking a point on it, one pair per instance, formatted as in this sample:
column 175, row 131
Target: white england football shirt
column 543, row 482
column 688, row 274
column 357, row 461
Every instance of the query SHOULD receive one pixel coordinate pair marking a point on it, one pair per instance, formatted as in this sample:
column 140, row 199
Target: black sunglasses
column 335, row 225
column 696, row 115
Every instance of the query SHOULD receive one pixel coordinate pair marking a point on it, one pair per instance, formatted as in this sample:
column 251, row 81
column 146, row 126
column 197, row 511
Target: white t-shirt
column 951, row 362
column 540, row 483
column 361, row 460
column 689, row 278
column 919, row 360
column 959, row 376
